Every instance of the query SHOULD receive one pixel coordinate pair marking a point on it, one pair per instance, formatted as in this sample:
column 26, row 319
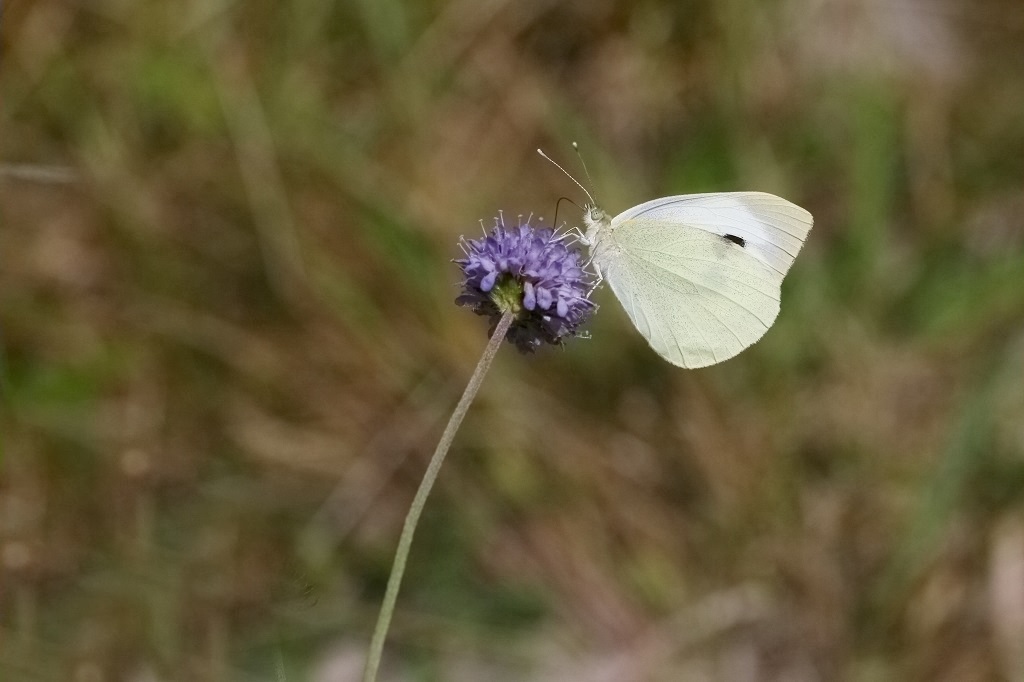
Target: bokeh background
column 230, row 343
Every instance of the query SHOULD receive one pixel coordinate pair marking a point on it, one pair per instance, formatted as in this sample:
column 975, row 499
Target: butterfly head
column 595, row 220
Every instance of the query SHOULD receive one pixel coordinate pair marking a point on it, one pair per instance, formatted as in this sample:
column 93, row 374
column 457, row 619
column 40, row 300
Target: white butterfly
column 698, row 274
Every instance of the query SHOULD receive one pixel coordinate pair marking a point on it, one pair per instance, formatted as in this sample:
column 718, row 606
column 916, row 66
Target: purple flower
column 531, row 272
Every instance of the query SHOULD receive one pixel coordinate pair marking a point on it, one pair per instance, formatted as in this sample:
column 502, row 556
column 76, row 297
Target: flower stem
column 380, row 631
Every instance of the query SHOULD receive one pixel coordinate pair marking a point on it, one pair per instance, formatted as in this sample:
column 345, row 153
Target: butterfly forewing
column 772, row 228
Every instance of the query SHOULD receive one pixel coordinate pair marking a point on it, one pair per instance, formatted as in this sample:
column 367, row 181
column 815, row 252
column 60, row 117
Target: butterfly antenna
column 590, row 180
column 589, row 196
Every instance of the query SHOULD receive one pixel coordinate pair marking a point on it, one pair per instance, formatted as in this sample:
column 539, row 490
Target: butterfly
column 699, row 275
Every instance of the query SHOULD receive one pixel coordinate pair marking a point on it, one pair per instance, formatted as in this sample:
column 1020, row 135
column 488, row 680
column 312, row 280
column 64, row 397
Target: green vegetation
column 229, row 344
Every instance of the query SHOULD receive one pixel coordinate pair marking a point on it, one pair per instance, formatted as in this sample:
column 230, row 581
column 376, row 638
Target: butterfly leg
column 600, row 277
column 577, row 235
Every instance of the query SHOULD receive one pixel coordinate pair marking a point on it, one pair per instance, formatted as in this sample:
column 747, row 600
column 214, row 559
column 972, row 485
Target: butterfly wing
column 774, row 229
column 700, row 275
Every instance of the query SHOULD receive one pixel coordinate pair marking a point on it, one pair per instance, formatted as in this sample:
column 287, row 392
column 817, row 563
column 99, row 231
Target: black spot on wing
column 735, row 240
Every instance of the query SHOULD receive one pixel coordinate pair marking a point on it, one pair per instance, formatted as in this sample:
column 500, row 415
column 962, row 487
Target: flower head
column 531, row 272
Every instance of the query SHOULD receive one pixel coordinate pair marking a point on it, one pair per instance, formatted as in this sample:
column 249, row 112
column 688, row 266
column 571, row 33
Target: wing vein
column 716, row 262
column 739, row 304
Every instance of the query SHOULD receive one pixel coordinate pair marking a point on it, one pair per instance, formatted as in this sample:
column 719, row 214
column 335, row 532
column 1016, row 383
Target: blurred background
column 230, row 344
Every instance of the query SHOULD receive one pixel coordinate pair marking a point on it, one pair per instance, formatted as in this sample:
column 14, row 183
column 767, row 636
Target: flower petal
column 529, row 296
column 543, row 298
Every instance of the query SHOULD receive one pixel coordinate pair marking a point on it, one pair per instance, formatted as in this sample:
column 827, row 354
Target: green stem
column 380, row 631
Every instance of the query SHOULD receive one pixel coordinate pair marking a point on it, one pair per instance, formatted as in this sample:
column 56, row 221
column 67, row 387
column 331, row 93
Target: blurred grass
column 229, row 343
